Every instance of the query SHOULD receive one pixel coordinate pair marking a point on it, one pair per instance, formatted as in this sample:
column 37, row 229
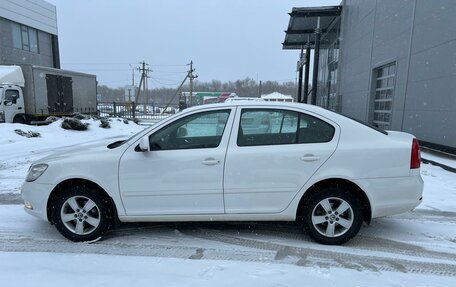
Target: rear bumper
column 35, row 196
column 390, row 196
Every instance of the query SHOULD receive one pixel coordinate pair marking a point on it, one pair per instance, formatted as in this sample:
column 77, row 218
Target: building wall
column 36, row 14
column 419, row 36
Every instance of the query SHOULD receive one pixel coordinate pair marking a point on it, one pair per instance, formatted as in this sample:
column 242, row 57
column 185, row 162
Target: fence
column 132, row 111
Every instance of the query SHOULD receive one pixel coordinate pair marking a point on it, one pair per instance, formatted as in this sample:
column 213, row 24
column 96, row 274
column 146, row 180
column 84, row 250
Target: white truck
column 30, row 93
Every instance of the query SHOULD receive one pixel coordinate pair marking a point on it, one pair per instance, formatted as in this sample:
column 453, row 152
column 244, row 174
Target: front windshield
column 1, row 95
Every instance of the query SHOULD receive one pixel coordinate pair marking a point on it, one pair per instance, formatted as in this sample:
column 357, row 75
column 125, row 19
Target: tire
column 332, row 216
column 20, row 119
column 81, row 213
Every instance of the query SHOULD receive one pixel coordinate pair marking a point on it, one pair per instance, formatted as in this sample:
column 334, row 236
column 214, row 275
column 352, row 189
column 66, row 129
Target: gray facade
column 28, row 33
column 417, row 40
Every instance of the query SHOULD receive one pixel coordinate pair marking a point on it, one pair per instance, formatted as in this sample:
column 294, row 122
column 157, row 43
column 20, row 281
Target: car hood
column 78, row 150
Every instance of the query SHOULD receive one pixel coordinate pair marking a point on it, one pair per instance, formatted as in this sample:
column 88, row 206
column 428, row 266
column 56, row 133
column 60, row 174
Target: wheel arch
column 20, row 118
column 338, row 183
column 60, row 188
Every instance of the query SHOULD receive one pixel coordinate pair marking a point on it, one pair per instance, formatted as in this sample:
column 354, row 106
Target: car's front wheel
column 82, row 214
column 332, row 216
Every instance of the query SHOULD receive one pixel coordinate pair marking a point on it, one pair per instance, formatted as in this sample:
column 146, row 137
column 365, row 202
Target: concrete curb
column 445, row 167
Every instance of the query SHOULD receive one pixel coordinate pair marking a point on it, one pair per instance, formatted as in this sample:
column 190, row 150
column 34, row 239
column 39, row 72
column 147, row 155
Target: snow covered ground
column 414, row 249
column 18, row 152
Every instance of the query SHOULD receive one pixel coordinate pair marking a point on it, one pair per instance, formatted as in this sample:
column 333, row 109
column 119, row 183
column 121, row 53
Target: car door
column 271, row 155
column 12, row 104
column 183, row 171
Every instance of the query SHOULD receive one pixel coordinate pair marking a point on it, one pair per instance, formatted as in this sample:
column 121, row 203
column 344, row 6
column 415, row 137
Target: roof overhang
column 304, row 22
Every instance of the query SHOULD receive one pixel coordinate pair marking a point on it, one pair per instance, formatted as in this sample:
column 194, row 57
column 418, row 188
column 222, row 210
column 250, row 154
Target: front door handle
column 310, row 157
column 210, row 161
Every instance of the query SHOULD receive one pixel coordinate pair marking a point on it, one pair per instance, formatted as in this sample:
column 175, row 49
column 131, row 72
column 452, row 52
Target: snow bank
column 18, row 152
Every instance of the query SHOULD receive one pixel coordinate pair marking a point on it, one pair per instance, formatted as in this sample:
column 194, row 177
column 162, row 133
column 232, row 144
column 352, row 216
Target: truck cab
column 11, row 104
column 12, row 108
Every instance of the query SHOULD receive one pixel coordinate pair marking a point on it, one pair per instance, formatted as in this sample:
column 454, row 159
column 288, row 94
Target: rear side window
column 276, row 127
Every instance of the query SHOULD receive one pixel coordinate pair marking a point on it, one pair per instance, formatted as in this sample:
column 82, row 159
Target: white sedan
column 237, row 161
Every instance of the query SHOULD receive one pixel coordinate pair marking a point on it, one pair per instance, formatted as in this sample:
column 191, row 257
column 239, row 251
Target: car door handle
column 19, row 108
column 210, row 161
column 310, row 157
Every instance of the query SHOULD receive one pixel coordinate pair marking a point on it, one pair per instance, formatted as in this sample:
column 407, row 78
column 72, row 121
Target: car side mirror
column 7, row 103
column 144, row 144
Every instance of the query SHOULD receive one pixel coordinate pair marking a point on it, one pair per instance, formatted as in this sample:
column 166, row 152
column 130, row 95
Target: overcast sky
column 226, row 39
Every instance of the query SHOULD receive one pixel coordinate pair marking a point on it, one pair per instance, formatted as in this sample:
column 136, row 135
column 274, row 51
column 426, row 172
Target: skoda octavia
column 236, row 161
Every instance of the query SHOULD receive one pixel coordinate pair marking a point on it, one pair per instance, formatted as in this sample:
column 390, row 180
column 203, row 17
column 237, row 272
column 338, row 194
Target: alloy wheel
column 332, row 217
column 80, row 215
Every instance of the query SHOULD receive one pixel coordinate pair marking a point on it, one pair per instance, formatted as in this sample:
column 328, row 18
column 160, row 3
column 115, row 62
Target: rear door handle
column 210, row 161
column 310, row 157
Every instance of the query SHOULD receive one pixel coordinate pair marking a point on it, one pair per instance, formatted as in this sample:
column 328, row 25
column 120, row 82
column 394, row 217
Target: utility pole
column 191, row 77
column 260, row 89
column 132, row 75
column 144, row 70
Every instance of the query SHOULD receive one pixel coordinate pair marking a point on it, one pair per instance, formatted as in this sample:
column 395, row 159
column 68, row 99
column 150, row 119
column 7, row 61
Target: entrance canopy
column 305, row 22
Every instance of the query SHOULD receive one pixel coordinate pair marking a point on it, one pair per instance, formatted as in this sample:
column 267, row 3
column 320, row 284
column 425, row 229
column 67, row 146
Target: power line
column 164, row 84
column 121, row 63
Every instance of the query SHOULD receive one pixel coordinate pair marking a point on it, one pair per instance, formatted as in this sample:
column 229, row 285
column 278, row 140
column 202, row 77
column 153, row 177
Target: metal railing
column 131, row 111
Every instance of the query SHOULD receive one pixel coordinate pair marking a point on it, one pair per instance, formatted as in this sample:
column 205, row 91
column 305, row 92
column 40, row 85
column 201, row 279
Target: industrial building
column 389, row 63
column 28, row 33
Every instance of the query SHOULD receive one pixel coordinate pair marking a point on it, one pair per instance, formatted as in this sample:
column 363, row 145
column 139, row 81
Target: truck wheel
column 82, row 214
column 20, row 119
column 332, row 216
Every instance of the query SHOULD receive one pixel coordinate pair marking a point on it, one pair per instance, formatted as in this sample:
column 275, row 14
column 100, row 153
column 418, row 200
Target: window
column 25, row 38
column 33, row 40
column 17, row 35
column 383, row 96
column 202, row 130
column 11, row 96
column 275, row 127
column 313, row 130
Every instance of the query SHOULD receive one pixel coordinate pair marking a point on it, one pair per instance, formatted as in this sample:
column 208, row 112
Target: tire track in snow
column 325, row 258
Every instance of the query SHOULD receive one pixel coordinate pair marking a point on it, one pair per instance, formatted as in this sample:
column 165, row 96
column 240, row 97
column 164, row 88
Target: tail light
column 415, row 159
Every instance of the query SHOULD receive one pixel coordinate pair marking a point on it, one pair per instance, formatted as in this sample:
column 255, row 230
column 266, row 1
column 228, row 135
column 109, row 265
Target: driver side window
column 201, row 130
column 11, row 96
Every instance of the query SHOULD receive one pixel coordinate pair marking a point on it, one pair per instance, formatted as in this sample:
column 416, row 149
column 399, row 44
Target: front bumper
column 35, row 196
column 391, row 196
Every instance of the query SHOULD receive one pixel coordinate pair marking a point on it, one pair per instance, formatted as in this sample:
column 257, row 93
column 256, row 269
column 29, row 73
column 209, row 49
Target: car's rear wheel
column 332, row 216
column 82, row 214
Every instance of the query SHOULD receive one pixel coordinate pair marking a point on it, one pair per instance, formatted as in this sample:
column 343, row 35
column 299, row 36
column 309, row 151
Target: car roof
column 266, row 104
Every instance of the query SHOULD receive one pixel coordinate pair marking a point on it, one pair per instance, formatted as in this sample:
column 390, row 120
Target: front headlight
column 36, row 171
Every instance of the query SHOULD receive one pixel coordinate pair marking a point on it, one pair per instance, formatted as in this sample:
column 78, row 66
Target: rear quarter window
column 314, row 130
